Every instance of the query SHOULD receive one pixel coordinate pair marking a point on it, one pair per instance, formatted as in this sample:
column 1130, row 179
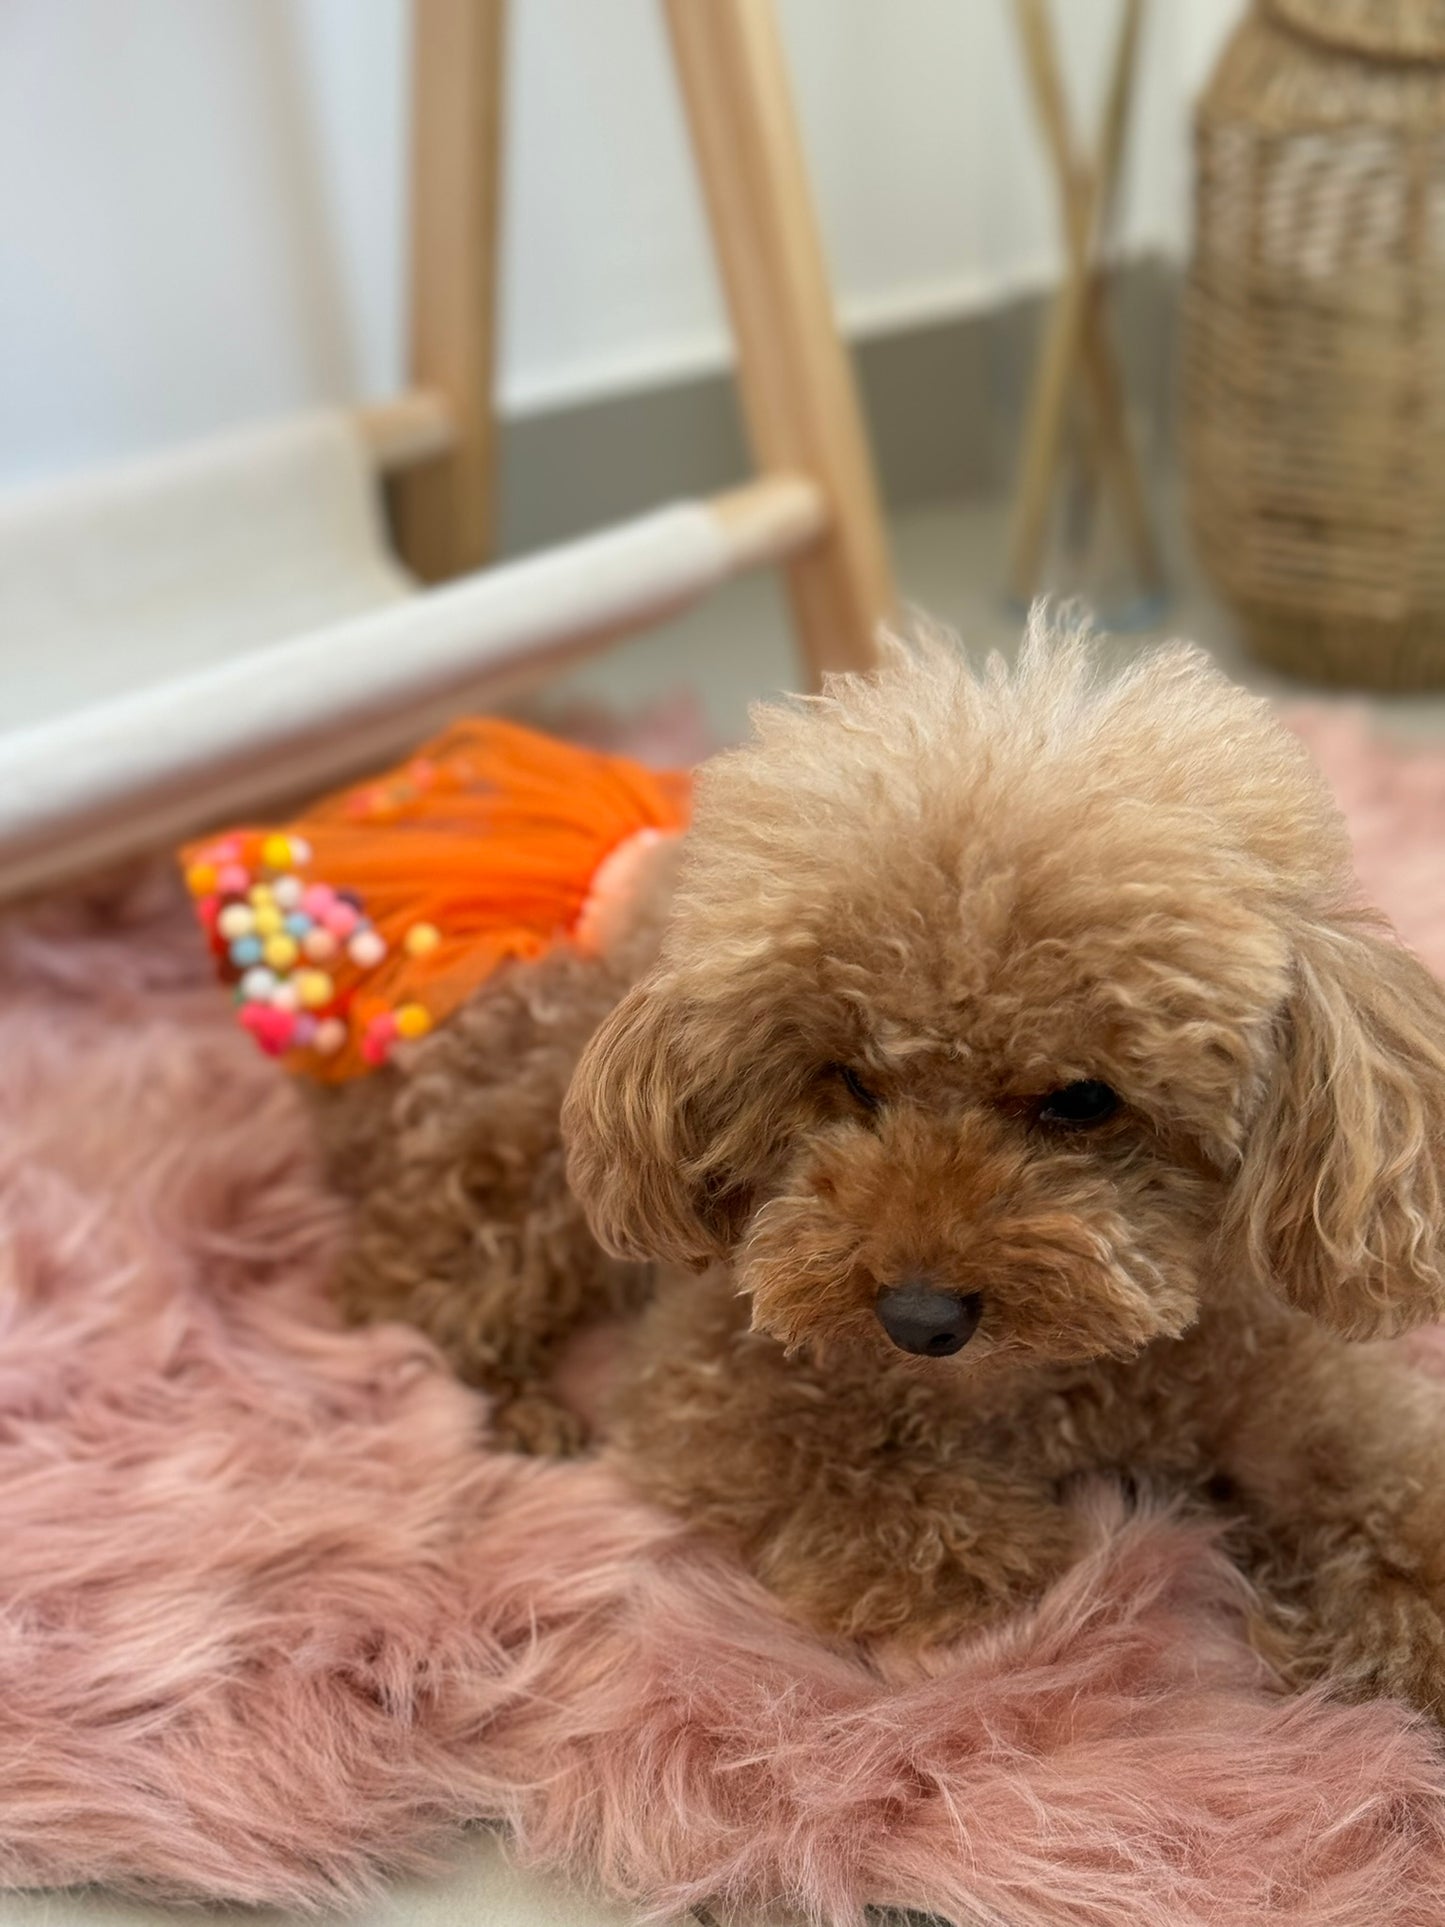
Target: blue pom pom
column 299, row 924
column 246, row 951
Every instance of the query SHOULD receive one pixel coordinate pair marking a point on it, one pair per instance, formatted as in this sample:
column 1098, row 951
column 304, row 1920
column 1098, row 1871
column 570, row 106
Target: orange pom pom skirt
column 369, row 919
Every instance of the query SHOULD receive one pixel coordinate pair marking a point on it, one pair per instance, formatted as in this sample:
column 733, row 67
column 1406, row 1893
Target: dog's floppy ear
column 669, row 1122
column 1341, row 1198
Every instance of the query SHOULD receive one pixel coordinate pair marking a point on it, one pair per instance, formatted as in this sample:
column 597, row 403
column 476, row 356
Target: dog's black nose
column 920, row 1318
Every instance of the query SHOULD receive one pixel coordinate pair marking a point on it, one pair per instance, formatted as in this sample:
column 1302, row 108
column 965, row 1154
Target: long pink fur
column 274, row 1621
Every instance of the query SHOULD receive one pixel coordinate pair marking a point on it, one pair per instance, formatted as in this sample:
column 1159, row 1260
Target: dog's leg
column 856, row 1497
column 1337, row 1455
column 935, row 1551
column 464, row 1222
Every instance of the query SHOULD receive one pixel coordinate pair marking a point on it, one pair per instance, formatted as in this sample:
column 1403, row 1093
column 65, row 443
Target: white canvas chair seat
column 208, row 633
column 213, row 631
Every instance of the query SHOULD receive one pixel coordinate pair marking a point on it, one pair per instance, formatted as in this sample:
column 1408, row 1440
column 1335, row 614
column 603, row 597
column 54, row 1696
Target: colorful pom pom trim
column 360, row 927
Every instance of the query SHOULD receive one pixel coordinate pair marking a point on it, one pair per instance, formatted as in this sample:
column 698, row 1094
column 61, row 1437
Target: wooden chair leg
column 1106, row 389
column 444, row 510
column 1076, row 337
column 796, row 383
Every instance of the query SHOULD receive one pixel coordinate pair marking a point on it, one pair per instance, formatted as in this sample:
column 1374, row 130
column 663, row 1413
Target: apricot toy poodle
column 1004, row 1088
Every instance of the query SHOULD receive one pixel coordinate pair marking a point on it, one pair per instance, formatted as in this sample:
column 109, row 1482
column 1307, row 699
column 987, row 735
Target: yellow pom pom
column 280, row 951
column 260, row 896
column 201, row 879
column 421, row 939
column 314, row 987
column 412, row 1021
column 267, row 920
column 276, row 853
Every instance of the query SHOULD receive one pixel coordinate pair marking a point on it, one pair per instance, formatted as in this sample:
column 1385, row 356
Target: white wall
column 201, row 201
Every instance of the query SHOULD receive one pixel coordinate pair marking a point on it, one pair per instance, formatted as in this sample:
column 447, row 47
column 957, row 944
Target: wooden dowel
column 772, row 519
column 415, row 427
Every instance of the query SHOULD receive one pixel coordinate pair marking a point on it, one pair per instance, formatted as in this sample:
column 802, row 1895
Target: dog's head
column 1005, row 1011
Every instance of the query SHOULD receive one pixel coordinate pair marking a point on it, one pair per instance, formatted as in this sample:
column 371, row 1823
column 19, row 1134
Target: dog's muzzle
column 931, row 1323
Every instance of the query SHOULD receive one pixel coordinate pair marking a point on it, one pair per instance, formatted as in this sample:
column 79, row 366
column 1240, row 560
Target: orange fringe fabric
column 368, row 920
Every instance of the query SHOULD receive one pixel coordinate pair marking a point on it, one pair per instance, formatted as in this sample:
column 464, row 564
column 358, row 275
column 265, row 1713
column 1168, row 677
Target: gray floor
column 950, row 563
column 949, row 560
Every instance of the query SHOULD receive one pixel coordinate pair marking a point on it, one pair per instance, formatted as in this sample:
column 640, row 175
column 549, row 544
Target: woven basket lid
column 1381, row 29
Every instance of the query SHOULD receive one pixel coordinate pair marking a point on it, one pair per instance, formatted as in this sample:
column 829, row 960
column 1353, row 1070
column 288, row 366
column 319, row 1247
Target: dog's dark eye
column 1076, row 1106
column 855, row 1086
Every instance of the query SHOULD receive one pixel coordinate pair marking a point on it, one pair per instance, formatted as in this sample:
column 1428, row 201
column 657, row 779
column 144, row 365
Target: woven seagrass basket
column 1313, row 403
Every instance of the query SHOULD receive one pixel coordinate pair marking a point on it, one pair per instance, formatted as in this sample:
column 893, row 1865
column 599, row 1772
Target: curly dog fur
column 465, row 1223
column 912, row 917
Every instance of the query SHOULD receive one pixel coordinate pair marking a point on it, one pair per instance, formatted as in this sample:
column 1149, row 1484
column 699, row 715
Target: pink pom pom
column 317, row 899
column 341, row 919
column 274, row 1030
column 233, row 880
column 380, row 1035
column 226, row 850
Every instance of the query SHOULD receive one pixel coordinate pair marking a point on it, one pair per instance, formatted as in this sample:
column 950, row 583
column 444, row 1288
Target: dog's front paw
column 540, row 1426
column 1383, row 1634
column 1395, row 1643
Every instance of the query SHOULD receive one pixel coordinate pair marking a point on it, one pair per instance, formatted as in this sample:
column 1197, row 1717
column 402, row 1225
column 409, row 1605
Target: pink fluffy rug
column 274, row 1621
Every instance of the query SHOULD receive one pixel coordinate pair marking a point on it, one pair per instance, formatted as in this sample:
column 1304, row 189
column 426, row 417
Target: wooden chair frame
column 813, row 505
column 167, row 761
column 1077, row 342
